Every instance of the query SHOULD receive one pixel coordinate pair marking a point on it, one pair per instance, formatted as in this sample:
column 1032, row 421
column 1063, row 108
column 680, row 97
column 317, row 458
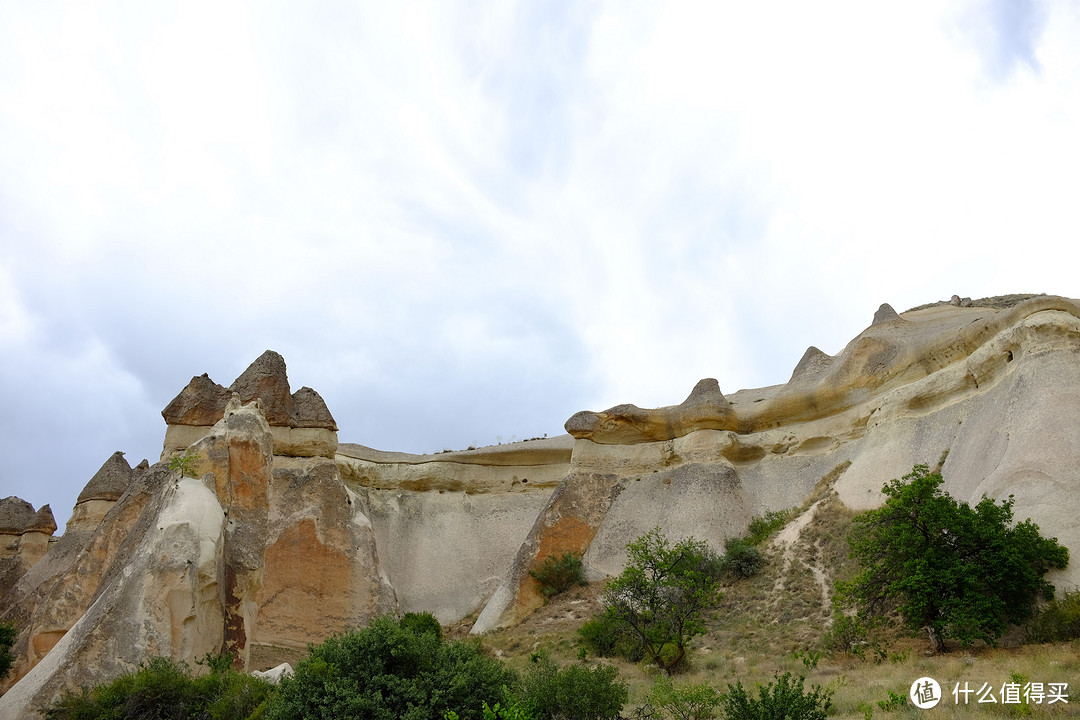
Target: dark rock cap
column 43, row 521
column 310, row 411
column 15, row 514
column 884, row 314
column 110, row 481
column 267, row 380
column 203, row 401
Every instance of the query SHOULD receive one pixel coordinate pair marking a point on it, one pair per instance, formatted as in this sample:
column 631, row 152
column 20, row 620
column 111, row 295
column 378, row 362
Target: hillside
column 282, row 535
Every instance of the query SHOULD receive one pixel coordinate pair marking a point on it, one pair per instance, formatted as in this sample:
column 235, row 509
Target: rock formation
column 282, row 520
column 24, row 538
column 300, row 422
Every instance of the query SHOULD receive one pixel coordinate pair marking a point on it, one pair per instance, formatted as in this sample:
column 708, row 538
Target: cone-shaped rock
column 202, row 402
column 884, row 314
column 267, row 380
column 15, row 514
column 110, row 481
column 43, row 521
column 310, row 411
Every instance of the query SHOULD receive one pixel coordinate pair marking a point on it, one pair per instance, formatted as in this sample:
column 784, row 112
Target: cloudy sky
column 462, row 222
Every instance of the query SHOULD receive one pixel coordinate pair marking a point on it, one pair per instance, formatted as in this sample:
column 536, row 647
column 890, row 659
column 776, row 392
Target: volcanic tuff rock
column 301, row 423
column 238, row 558
column 24, row 538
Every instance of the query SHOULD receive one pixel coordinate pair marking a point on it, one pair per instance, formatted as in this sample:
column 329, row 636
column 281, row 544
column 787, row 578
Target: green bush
column 558, row 574
column 423, row 622
column 786, row 699
column 8, row 633
column 164, row 688
column 606, row 636
column 1058, row 620
column 574, row 692
column 762, row 527
column 741, row 558
column 386, row 672
column 680, row 702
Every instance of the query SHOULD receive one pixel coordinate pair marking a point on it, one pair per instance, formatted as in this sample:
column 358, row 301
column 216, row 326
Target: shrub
column 558, row 574
column 385, row 672
column 423, row 622
column 1058, row 620
column 741, row 558
column 762, row 527
column 606, row 636
column 8, row 633
column 681, row 702
column 184, row 464
column 575, row 692
column 786, row 699
column 164, row 688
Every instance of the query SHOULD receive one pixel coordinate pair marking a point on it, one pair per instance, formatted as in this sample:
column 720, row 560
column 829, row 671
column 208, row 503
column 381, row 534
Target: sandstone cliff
column 285, row 536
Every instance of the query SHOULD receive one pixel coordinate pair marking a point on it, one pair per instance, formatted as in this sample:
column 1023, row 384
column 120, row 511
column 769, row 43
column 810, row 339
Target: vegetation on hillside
column 163, row 688
column 950, row 569
column 769, row 649
column 8, row 633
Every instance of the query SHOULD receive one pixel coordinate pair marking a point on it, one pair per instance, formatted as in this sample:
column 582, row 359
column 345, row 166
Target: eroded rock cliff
column 285, row 536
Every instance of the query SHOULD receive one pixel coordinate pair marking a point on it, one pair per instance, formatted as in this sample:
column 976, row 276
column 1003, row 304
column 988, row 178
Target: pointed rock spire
column 110, row 481
column 884, row 314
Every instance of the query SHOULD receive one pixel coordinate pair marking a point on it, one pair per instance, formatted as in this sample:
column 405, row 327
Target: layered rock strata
column 991, row 392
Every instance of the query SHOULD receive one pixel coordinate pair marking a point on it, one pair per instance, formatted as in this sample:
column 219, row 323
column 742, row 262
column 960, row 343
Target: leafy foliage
column 953, row 570
column 574, row 692
column 1058, row 620
column 607, row 636
column 785, row 699
column 422, row 622
column 387, row 671
column 662, row 595
column 183, row 464
column 558, row 574
column 164, row 688
column 668, row 701
column 8, row 633
column 761, row 528
column 741, row 558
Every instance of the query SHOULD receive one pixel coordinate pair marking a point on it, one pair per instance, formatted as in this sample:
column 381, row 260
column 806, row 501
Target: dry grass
column 774, row 622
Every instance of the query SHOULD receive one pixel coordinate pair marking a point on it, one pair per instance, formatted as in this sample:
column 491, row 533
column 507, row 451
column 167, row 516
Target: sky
column 463, row 222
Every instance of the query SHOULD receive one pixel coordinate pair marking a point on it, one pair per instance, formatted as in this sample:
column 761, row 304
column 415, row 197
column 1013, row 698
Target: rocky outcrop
column 238, row 558
column 991, row 389
column 300, row 422
column 448, row 525
column 235, row 560
column 24, row 538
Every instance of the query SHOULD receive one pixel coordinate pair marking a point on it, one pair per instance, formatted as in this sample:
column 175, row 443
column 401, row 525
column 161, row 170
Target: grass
column 773, row 622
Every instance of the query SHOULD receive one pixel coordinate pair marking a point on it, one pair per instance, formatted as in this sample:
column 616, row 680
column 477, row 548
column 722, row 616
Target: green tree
column 184, row 464
column 8, row 633
column 390, row 672
column 950, row 569
column 662, row 595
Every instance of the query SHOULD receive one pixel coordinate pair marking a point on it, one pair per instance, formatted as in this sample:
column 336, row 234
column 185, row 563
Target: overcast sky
column 463, row 222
